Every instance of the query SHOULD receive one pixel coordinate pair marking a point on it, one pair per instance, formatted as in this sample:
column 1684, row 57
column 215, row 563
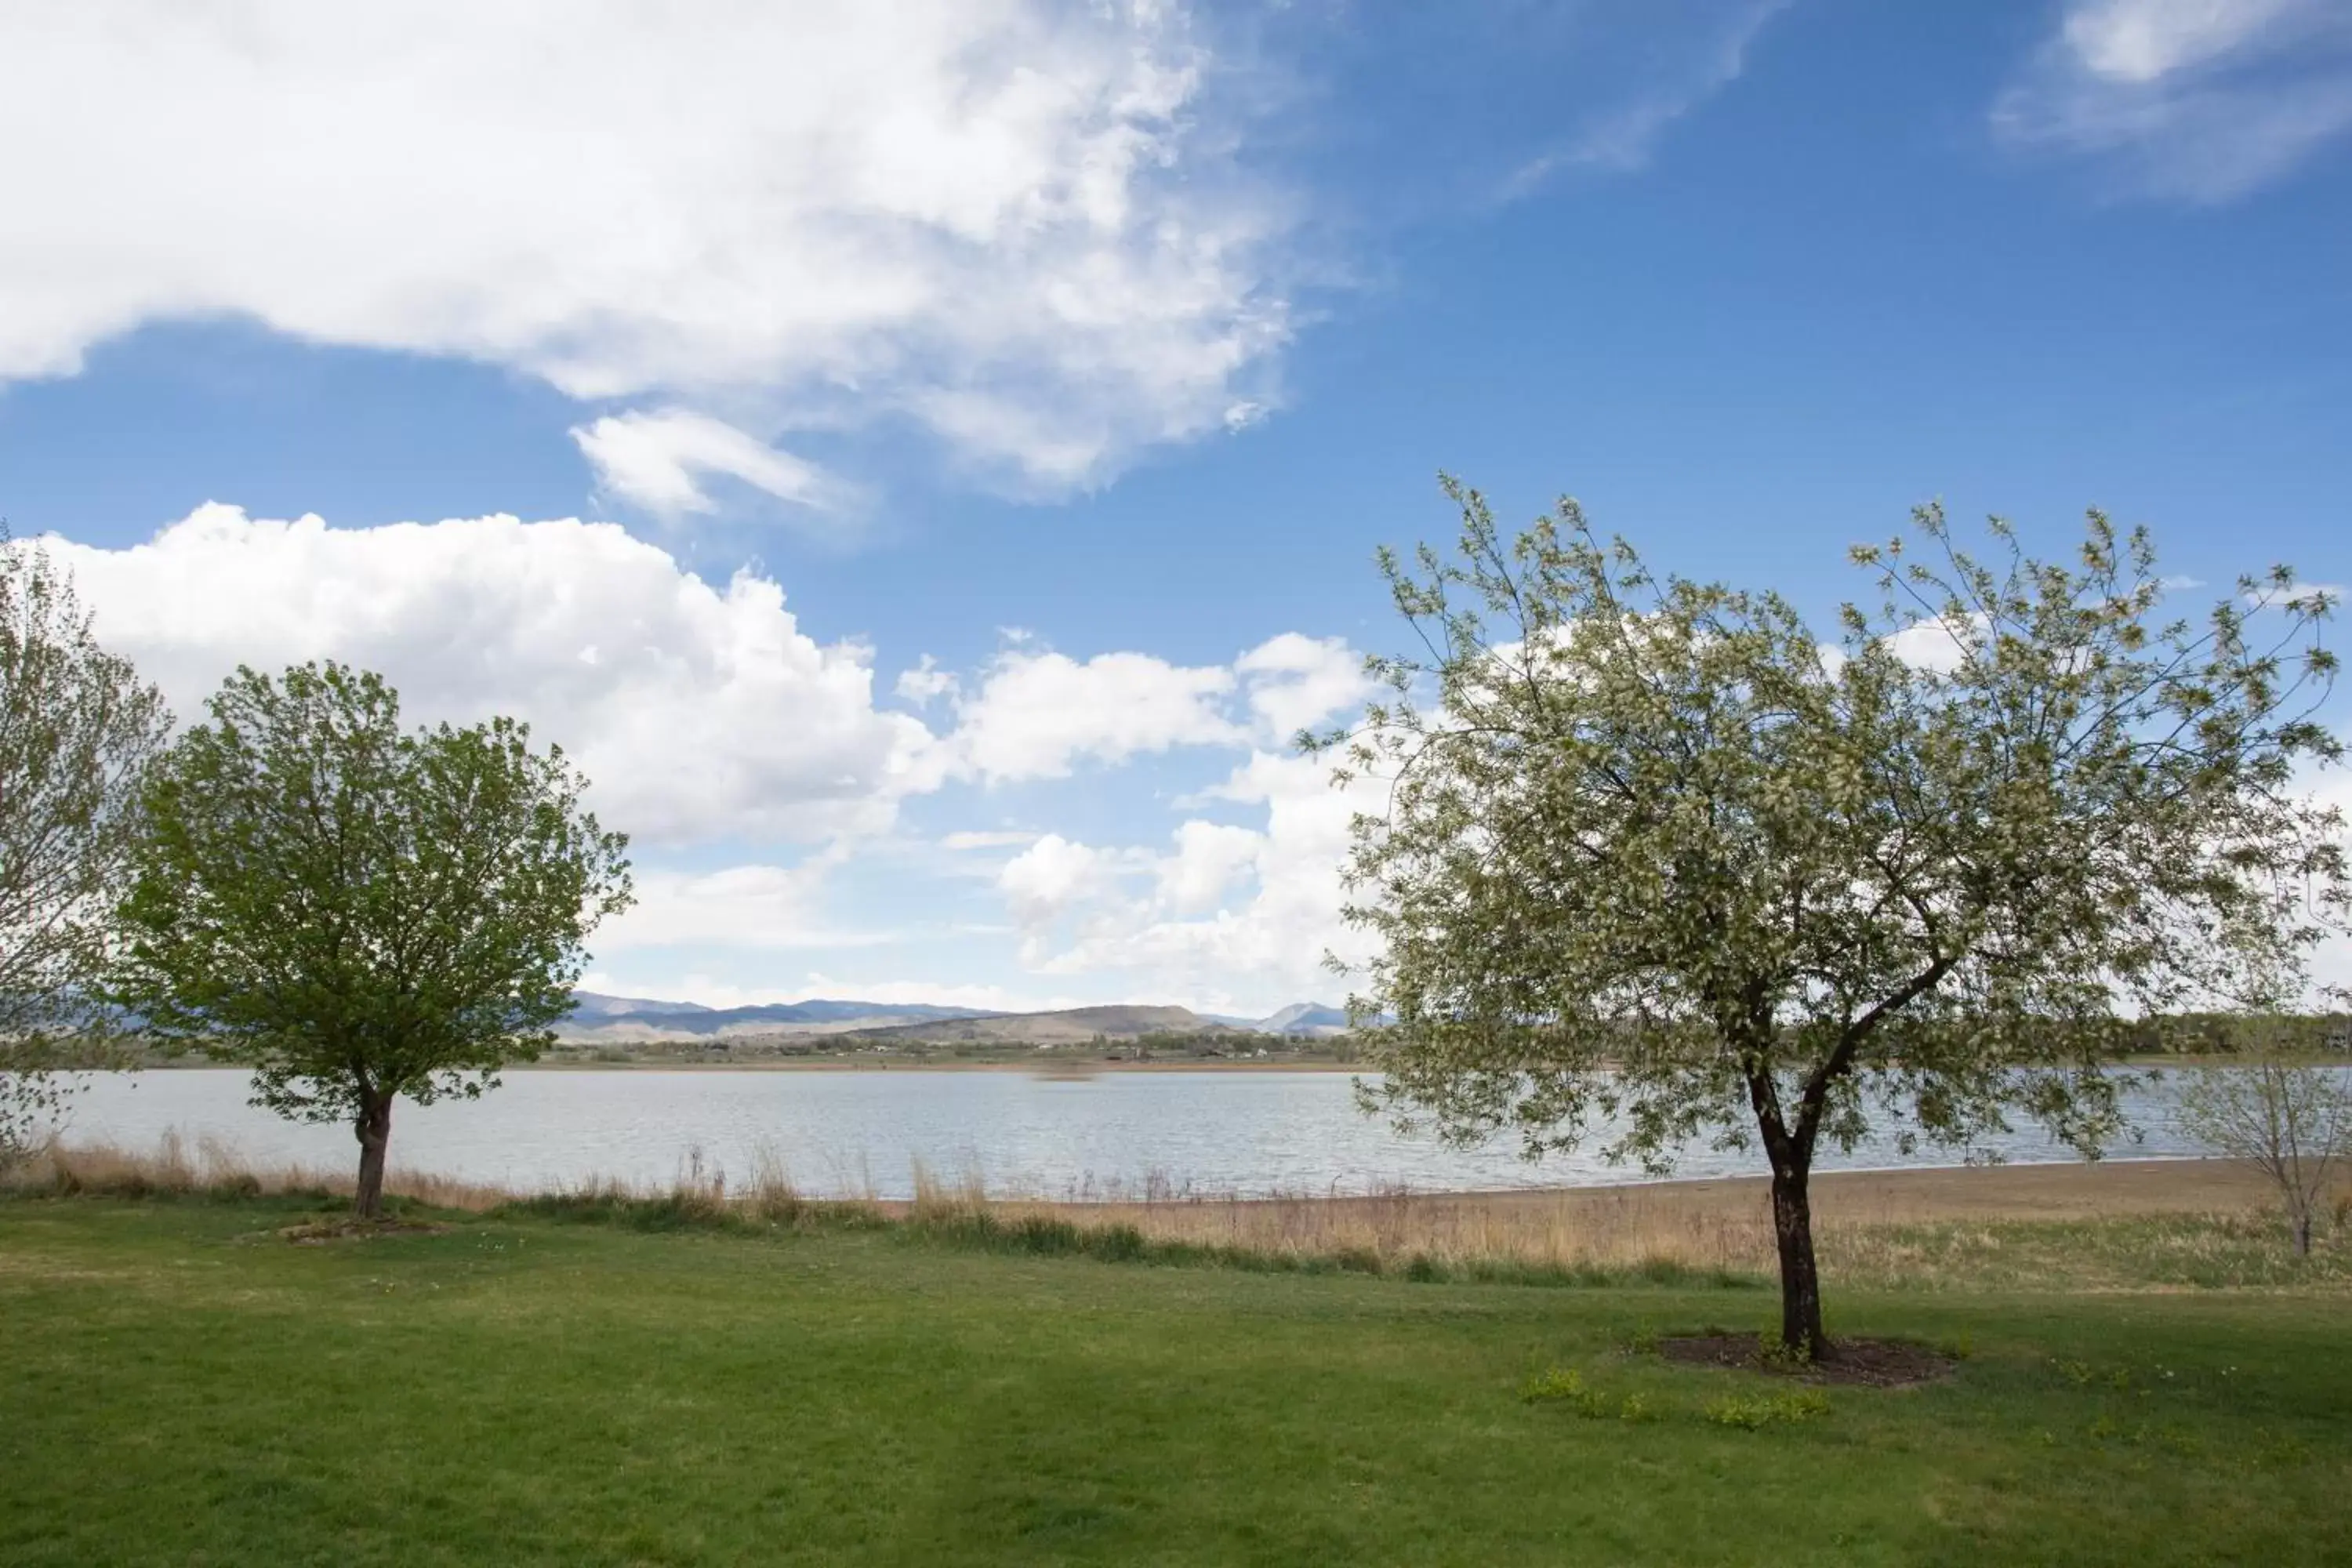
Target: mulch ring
column 347, row 1227
column 1866, row 1364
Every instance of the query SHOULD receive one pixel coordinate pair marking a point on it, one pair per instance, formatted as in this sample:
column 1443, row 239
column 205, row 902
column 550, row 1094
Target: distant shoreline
column 1035, row 1067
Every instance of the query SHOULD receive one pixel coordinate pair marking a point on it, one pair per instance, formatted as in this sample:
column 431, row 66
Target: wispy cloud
column 1623, row 138
column 659, row 459
column 2202, row 101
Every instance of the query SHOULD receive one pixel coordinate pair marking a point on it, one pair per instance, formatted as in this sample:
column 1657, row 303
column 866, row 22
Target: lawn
column 179, row 1385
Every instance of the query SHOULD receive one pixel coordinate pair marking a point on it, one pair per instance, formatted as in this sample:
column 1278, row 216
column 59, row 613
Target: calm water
column 1211, row 1132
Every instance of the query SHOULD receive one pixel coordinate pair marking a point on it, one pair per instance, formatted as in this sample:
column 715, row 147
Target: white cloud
column 1231, row 953
column 1017, row 223
column 2331, row 961
column 758, row 906
column 2199, row 99
column 1004, row 838
column 1209, row 857
column 1298, row 682
column 657, row 460
column 705, row 715
column 1036, row 714
column 699, row 712
column 2140, row 40
column 1936, row 643
column 927, row 682
column 2299, row 593
column 1052, row 875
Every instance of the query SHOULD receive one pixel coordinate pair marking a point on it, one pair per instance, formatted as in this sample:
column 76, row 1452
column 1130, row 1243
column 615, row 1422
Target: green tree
column 357, row 913
column 78, row 730
column 1658, row 866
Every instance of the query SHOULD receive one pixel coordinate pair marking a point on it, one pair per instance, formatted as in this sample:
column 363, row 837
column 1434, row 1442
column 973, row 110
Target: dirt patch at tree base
column 1868, row 1363
column 347, row 1227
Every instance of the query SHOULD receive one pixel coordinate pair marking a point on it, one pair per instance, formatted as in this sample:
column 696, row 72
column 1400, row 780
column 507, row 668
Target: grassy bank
column 184, row 1386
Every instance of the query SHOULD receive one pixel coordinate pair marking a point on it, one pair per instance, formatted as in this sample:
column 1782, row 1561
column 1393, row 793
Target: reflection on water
column 851, row 1131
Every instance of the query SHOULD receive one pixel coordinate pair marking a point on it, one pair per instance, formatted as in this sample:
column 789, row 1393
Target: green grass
column 177, row 1386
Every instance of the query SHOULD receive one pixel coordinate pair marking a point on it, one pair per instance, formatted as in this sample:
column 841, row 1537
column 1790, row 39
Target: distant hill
column 1312, row 1018
column 599, row 1017
column 588, row 1004
column 1068, row 1026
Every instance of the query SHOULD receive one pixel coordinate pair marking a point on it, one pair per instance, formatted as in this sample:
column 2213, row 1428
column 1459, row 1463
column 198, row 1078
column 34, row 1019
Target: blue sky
column 995, row 405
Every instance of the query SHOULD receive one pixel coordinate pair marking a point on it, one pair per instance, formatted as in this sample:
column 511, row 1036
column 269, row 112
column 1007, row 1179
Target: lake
column 846, row 1132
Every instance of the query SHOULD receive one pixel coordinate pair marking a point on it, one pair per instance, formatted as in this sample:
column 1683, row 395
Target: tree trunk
column 1801, row 1280
column 374, row 1131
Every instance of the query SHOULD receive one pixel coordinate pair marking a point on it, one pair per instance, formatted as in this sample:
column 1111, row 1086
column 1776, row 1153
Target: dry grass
column 1632, row 1228
column 213, row 1168
column 1866, row 1222
column 2131, row 1225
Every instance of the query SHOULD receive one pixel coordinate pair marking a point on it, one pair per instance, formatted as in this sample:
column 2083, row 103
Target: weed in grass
column 1566, row 1385
column 1773, row 1356
column 1637, row 1410
column 1752, row 1413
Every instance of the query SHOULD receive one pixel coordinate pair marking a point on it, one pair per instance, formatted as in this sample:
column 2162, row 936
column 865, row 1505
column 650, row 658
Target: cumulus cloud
column 1052, row 875
column 1210, row 857
column 1018, row 224
column 1297, row 682
column 2199, row 99
column 1036, row 714
column 1229, row 911
column 1936, row 642
column 700, row 711
column 706, row 716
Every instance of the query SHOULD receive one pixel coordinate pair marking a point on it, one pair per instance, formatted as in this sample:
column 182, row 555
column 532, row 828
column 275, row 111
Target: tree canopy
column 78, row 730
column 1660, row 865
column 356, row 912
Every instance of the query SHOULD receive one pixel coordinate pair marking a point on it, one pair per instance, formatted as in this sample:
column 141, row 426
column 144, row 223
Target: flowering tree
column 78, row 731
column 1659, row 864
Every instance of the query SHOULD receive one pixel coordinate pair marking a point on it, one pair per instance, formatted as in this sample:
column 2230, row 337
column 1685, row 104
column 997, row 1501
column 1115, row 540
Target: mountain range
column 596, row 1017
